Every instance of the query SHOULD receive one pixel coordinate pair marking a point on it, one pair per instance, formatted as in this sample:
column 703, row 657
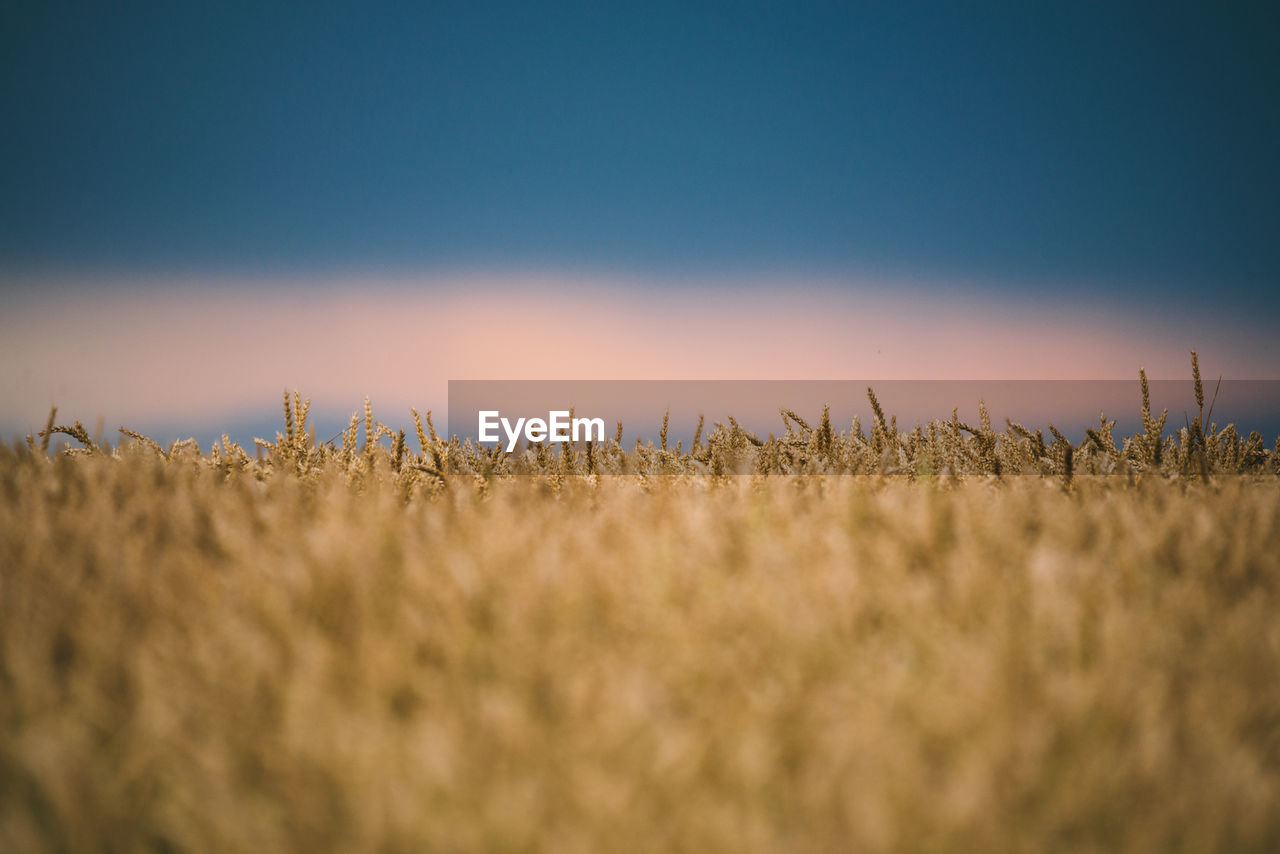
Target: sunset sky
column 200, row 207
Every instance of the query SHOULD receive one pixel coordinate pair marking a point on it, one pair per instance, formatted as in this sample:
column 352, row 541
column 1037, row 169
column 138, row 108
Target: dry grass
column 359, row 648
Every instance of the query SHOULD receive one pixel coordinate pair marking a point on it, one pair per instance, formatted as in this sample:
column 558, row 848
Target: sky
column 745, row 190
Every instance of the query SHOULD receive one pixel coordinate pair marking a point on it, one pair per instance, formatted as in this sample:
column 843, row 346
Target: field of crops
column 982, row 642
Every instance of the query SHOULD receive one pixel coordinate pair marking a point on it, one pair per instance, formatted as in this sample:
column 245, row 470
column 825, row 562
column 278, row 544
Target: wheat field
column 982, row 642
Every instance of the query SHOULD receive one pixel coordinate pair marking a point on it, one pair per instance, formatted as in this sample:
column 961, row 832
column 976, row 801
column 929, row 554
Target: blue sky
column 1110, row 146
column 203, row 205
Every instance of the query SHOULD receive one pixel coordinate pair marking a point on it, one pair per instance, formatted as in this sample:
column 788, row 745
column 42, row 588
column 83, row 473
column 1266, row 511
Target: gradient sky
column 1036, row 161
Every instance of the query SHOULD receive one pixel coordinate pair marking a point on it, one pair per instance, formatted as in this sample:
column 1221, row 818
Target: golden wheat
column 333, row 647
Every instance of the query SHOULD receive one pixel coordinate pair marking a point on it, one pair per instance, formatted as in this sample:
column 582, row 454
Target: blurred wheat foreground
column 356, row 646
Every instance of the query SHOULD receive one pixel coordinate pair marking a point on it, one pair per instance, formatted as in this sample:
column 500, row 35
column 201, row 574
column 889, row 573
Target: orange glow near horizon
column 205, row 352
